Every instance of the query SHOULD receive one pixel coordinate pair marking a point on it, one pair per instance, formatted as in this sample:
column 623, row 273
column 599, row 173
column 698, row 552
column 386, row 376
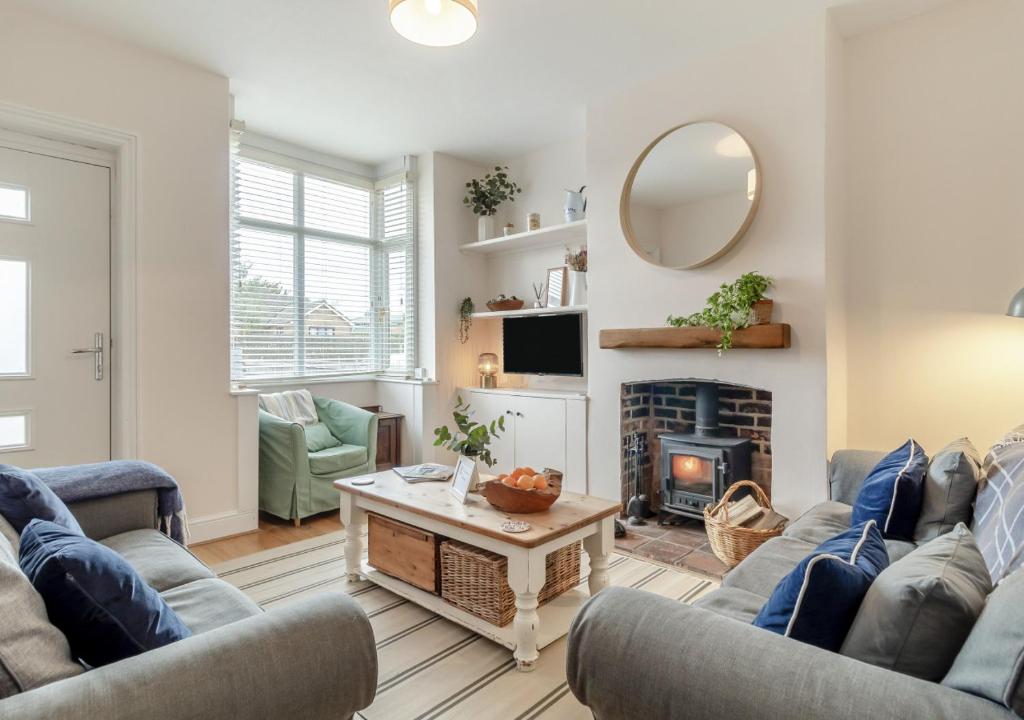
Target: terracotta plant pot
column 761, row 313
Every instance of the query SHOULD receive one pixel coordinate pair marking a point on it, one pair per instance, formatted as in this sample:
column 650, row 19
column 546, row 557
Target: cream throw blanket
column 292, row 405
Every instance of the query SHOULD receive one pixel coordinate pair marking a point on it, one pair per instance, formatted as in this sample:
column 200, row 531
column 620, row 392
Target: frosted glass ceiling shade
column 438, row 23
column 1016, row 308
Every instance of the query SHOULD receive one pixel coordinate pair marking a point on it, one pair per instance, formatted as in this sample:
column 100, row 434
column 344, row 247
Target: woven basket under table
column 732, row 543
column 476, row 580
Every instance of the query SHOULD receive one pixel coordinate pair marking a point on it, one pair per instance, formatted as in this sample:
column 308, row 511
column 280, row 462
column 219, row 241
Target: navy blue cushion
column 94, row 596
column 818, row 600
column 892, row 493
column 24, row 497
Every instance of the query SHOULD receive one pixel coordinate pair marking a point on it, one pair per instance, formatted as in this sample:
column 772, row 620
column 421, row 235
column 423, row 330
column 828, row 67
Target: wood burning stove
column 696, row 468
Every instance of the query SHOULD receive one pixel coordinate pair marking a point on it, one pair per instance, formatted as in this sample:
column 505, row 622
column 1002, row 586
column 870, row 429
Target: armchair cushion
column 336, row 459
column 24, row 497
column 318, row 437
column 106, row 611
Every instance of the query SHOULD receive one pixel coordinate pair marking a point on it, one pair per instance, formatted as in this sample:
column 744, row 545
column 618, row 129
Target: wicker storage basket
column 476, row 580
column 732, row 543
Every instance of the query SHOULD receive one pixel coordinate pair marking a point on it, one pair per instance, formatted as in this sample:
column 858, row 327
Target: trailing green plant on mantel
column 484, row 196
column 470, row 438
column 728, row 309
column 466, row 310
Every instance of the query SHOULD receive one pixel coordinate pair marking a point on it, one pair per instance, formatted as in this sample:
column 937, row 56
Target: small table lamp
column 1016, row 308
column 487, row 364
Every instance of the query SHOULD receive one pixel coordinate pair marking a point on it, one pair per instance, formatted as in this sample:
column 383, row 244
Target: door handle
column 97, row 352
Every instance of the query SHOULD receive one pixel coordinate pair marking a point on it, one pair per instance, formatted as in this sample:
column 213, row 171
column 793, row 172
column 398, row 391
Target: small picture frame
column 464, row 479
column 557, row 286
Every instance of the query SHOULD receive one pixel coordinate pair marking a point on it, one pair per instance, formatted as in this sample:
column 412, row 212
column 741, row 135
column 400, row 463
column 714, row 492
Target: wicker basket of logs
column 732, row 543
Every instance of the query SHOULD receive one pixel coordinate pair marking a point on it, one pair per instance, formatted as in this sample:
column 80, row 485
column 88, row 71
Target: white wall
column 772, row 92
column 935, row 111
column 179, row 113
column 692, row 231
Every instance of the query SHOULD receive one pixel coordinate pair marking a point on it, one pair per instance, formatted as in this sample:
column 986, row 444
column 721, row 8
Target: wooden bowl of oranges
column 524, row 490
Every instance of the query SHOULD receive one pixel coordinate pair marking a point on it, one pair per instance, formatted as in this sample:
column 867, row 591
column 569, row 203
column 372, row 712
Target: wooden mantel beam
column 755, row 337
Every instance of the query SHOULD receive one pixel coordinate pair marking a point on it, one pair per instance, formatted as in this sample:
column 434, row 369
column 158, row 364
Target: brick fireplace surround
column 669, row 406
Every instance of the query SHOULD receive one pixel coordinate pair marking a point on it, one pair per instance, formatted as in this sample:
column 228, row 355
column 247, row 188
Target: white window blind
column 323, row 271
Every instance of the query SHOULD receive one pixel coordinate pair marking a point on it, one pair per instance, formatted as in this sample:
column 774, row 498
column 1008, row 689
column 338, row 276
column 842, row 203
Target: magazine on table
column 425, row 472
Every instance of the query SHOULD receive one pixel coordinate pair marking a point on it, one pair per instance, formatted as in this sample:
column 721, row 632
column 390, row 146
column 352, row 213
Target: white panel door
column 54, row 300
column 540, row 432
column 491, row 406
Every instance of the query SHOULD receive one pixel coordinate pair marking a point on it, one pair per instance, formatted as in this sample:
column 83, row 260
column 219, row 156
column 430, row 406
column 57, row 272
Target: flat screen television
column 543, row 345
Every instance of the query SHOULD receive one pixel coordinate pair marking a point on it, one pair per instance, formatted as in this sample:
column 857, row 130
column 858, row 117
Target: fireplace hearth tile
column 704, row 562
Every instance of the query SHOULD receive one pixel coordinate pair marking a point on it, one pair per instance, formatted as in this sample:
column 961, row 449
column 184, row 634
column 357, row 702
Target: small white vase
column 577, row 288
column 485, row 227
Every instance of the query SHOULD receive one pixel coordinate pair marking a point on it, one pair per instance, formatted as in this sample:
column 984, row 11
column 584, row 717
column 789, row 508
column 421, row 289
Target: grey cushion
column 999, row 510
column 898, row 549
column 823, row 521
column 847, row 471
column 733, row 602
column 160, row 561
column 764, row 567
column 949, row 489
column 8, row 533
column 209, row 603
column 990, row 662
column 32, row 651
column 336, row 459
column 918, row 612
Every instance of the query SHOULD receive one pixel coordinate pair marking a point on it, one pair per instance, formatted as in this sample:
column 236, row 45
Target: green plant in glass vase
column 728, row 309
column 470, row 438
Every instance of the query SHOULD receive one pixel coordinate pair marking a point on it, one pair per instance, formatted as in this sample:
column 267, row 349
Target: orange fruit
column 540, row 482
column 525, row 482
column 502, row 476
column 509, row 480
column 527, row 470
column 517, row 473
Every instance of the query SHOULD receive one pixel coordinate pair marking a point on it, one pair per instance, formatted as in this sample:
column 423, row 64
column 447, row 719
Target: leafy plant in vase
column 734, row 306
column 485, row 195
column 470, row 438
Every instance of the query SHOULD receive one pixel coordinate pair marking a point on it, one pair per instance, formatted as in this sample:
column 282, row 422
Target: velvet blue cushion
column 892, row 493
column 106, row 611
column 818, row 600
column 24, row 497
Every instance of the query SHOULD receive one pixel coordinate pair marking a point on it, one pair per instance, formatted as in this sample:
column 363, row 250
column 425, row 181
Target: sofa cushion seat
column 766, row 566
column 337, row 459
column 898, row 549
column 161, row 562
column 821, row 522
column 209, row 603
column 734, row 603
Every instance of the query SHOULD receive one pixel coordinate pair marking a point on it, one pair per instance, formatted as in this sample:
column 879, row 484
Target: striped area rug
column 431, row 668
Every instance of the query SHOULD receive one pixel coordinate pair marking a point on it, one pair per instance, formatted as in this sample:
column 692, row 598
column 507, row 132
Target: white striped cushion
column 999, row 508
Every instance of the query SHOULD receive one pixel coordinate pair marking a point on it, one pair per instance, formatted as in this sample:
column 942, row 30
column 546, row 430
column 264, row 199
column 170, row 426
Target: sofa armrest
column 313, row 660
column 632, row 654
column 351, row 425
column 282, row 445
column 847, row 471
column 106, row 516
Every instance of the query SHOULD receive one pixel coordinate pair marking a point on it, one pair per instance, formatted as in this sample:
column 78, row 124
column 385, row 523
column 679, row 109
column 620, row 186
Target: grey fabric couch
column 632, row 654
column 314, row 659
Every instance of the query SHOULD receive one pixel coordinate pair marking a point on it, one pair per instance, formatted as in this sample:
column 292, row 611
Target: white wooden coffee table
column 429, row 506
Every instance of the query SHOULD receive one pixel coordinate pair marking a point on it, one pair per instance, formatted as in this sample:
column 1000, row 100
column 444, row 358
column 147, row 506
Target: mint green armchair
column 295, row 482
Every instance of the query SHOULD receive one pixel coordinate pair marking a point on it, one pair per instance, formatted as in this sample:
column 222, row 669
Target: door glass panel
column 13, row 202
column 13, row 431
column 13, row 317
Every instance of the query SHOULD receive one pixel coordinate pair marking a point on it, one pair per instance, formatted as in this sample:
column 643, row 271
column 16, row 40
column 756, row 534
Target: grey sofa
column 632, row 654
column 314, row 659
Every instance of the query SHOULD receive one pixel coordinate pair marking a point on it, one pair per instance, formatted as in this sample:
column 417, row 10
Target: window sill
column 254, row 388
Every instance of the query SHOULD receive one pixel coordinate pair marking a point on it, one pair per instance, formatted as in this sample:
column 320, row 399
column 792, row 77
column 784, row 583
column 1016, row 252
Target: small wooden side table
column 389, row 437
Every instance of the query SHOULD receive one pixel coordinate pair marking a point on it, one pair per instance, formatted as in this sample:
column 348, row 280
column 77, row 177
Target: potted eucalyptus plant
column 735, row 305
column 485, row 195
column 470, row 438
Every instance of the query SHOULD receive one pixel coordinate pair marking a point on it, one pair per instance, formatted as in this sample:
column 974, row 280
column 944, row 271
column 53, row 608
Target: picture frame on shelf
column 558, row 282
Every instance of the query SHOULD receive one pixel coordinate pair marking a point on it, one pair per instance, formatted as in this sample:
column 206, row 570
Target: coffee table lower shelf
column 555, row 616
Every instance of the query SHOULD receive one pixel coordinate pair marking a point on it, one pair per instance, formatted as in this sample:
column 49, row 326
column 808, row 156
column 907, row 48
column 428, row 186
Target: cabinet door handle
column 519, row 414
column 508, row 412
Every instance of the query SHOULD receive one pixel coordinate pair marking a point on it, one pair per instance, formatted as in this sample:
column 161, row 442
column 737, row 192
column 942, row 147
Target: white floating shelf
column 567, row 235
column 527, row 312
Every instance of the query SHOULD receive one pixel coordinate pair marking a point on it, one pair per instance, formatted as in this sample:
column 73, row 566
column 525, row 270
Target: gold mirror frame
column 627, row 192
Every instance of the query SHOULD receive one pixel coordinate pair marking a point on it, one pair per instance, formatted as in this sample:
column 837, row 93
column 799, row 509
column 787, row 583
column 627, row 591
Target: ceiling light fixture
column 1016, row 308
column 437, row 23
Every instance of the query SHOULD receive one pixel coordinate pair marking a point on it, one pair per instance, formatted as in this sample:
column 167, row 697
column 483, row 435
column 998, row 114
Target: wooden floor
column 273, row 532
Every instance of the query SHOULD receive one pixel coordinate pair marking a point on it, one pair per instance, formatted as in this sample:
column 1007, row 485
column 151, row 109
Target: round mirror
column 690, row 195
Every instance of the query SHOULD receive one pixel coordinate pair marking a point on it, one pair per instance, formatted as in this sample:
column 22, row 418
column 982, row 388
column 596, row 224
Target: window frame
column 379, row 248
